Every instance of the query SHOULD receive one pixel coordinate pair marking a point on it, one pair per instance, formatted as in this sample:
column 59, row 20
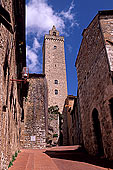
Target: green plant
column 55, row 135
column 13, row 158
column 19, row 151
column 53, row 110
column 16, row 154
column 10, row 164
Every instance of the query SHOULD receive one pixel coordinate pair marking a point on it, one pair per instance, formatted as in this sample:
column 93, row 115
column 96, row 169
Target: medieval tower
column 54, row 68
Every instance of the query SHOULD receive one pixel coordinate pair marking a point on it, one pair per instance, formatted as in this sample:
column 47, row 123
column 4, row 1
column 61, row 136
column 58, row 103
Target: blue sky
column 70, row 17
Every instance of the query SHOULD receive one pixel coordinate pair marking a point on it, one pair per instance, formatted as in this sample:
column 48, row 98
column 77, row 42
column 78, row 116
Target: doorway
column 97, row 132
column 111, row 108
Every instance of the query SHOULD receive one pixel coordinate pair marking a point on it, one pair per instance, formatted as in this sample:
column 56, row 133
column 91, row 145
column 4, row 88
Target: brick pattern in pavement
column 31, row 159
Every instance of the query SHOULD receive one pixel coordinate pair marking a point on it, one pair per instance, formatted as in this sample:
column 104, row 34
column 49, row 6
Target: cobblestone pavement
column 59, row 158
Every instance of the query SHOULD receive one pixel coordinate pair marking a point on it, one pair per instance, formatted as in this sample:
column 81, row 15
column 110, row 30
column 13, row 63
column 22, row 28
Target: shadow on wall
column 80, row 155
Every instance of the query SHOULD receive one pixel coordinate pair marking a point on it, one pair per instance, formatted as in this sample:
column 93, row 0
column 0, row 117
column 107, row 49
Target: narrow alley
column 59, row 158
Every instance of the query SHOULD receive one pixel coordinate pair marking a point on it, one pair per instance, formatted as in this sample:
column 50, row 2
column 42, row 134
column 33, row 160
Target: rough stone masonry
column 35, row 125
column 12, row 60
column 54, row 68
column 95, row 85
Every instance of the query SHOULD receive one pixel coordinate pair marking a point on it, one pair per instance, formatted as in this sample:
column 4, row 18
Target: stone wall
column 72, row 128
column 53, row 125
column 76, row 126
column 107, row 30
column 10, row 108
column 95, row 88
column 34, row 131
column 67, row 120
column 54, row 68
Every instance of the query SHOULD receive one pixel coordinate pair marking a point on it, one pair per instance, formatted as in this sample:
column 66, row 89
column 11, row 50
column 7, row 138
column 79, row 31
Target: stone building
column 76, row 126
column 12, row 60
column 67, row 120
column 95, row 84
column 71, row 128
column 34, row 127
column 53, row 125
column 54, row 68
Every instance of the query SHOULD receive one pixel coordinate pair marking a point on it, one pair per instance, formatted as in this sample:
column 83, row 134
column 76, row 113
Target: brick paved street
column 59, row 158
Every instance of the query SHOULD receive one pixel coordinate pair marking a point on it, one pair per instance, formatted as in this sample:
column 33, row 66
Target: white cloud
column 68, row 14
column 32, row 60
column 40, row 19
column 36, row 45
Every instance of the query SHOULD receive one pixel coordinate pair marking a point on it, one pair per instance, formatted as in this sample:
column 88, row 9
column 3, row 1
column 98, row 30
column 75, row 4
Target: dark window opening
column 6, row 24
column 55, row 46
column 4, row 108
column 56, row 91
column 54, row 33
column 15, row 110
column 111, row 108
column 11, row 95
column 112, row 80
column 56, row 81
column 22, row 116
column 5, row 13
column 5, row 66
column 97, row 132
column 73, row 140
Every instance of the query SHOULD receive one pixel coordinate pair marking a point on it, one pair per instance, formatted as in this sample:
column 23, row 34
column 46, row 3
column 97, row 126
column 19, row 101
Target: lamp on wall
column 25, row 75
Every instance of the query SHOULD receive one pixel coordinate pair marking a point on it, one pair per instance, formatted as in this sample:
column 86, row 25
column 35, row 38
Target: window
column 56, row 81
column 56, row 91
column 54, row 33
column 55, row 47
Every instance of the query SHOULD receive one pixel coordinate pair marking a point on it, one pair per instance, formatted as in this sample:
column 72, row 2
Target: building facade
column 12, row 60
column 67, row 120
column 71, row 127
column 53, row 125
column 76, row 125
column 54, row 68
column 34, row 127
column 95, row 85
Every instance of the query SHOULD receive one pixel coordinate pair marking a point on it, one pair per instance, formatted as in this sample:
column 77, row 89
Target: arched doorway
column 97, row 132
column 111, row 108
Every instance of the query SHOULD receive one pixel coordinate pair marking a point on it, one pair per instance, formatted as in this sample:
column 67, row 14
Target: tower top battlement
column 53, row 35
column 54, row 32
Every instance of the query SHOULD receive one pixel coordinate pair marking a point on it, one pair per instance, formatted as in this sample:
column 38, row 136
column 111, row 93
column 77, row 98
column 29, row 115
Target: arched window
column 56, row 91
column 56, row 81
column 54, row 33
column 55, row 46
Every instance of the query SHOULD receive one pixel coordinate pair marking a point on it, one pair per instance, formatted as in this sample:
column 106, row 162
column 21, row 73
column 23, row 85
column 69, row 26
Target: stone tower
column 54, row 68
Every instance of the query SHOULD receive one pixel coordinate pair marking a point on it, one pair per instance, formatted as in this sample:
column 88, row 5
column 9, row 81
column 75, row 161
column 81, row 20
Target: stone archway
column 111, row 108
column 97, row 132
